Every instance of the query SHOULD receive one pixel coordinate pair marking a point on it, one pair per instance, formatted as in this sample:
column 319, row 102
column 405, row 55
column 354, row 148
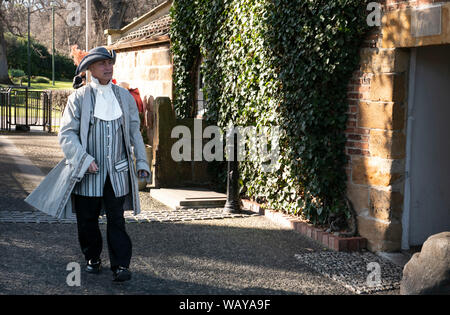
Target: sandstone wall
column 376, row 129
column 149, row 69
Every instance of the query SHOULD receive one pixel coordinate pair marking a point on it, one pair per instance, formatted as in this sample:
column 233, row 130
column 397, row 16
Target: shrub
column 41, row 59
column 16, row 73
column 39, row 79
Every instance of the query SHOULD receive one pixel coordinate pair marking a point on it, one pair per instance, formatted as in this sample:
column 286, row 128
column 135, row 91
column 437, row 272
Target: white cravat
column 106, row 105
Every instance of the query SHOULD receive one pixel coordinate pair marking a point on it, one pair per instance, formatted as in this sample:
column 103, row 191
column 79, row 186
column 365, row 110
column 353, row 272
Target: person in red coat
column 137, row 97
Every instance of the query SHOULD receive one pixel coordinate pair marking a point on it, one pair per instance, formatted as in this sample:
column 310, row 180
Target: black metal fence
column 5, row 99
column 24, row 108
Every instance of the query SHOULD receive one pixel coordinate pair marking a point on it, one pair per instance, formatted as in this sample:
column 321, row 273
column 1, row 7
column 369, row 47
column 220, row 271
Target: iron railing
column 24, row 108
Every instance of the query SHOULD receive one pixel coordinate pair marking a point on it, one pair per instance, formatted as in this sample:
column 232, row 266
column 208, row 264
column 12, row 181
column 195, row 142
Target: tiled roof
column 155, row 29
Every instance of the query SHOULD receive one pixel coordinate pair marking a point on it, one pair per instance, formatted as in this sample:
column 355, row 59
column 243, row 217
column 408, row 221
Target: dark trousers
column 89, row 235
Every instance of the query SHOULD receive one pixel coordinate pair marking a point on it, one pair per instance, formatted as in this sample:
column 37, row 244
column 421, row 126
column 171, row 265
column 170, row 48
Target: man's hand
column 143, row 174
column 93, row 168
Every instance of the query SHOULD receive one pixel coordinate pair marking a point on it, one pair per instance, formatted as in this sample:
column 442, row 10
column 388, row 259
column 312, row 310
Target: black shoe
column 94, row 266
column 121, row 274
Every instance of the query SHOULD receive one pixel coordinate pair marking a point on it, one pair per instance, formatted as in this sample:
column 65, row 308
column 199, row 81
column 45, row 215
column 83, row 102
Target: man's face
column 102, row 70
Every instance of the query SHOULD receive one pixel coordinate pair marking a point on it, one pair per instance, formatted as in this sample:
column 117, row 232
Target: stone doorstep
column 340, row 244
column 189, row 203
column 188, row 198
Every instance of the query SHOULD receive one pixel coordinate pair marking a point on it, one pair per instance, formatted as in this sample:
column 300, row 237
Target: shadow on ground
column 230, row 256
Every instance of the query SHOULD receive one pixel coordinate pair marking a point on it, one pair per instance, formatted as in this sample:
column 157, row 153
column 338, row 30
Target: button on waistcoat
column 105, row 143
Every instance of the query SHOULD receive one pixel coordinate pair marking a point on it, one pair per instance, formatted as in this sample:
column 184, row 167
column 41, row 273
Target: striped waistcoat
column 106, row 144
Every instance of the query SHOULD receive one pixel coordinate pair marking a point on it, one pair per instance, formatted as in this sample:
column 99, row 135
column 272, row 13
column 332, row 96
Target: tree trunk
column 108, row 15
column 118, row 8
column 4, row 77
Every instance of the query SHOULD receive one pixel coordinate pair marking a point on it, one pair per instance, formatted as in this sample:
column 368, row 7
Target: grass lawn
column 59, row 85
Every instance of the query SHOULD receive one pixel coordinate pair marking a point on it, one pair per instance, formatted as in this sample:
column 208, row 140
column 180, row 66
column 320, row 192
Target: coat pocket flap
column 121, row 165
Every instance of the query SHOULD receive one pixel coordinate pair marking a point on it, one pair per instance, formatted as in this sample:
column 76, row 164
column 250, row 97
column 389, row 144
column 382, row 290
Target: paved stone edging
column 143, row 217
column 329, row 240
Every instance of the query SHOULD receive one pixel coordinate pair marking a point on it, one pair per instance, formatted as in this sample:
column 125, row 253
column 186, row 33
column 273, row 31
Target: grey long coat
column 54, row 194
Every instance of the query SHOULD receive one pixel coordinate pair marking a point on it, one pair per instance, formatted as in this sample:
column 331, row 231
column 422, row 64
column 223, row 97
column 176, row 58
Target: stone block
column 161, row 57
column 152, row 74
column 359, row 196
column 386, row 205
column 388, row 87
column 156, row 89
column 396, row 30
column 387, row 144
column 384, row 60
column 375, row 171
column 141, row 73
column 166, row 89
column 146, row 57
column 165, row 73
column 380, row 115
column 381, row 235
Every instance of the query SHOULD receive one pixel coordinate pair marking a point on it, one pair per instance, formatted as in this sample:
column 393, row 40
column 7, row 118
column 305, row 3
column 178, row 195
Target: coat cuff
column 142, row 165
column 86, row 160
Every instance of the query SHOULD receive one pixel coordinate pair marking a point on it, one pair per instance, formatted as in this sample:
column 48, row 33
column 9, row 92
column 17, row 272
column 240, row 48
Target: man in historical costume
column 99, row 134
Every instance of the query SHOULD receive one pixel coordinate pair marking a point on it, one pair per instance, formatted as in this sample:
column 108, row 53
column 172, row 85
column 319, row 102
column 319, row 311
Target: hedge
column 41, row 59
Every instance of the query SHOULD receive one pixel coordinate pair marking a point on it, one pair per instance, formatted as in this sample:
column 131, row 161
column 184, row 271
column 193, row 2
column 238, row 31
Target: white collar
column 96, row 84
column 106, row 105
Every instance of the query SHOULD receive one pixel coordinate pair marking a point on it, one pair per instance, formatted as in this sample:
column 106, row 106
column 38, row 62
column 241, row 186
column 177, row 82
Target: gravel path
column 228, row 256
column 246, row 255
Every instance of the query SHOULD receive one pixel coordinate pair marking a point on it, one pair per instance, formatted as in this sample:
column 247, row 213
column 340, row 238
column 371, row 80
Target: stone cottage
column 398, row 132
column 143, row 52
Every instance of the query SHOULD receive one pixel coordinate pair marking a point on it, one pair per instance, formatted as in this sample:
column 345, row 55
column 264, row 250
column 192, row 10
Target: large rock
column 428, row 272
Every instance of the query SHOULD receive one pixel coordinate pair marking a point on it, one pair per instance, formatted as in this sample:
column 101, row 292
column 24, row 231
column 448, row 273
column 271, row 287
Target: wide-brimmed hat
column 95, row 54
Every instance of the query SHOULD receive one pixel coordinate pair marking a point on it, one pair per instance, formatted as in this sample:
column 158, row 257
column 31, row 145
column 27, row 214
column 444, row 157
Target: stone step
column 183, row 198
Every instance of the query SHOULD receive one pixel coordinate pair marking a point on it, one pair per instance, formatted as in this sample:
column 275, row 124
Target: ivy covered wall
column 282, row 63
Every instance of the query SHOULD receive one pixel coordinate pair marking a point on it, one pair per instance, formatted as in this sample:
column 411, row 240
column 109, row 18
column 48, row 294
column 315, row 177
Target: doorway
column 427, row 184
